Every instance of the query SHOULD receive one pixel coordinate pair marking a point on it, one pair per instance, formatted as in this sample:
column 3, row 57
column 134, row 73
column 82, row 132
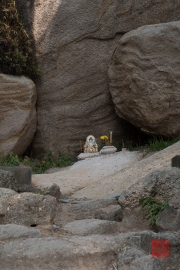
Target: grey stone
column 100, row 209
column 30, row 188
column 111, row 212
column 12, row 231
column 164, row 185
column 169, row 220
column 54, row 191
column 21, row 174
column 6, row 192
column 92, row 226
column 97, row 209
column 108, row 150
column 143, row 78
column 175, row 161
column 86, row 252
column 27, row 209
column 158, row 183
column 7, row 180
column 146, row 262
column 133, row 220
column 128, row 255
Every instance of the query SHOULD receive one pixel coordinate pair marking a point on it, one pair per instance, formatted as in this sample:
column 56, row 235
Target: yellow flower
column 104, row 137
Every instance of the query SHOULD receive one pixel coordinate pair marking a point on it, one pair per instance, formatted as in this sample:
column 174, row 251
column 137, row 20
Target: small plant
column 153, row 144
column 16, row 48
column 10, row 160
column 41, row 165
column 38, row 166
column 153, row 208
column 159, row 143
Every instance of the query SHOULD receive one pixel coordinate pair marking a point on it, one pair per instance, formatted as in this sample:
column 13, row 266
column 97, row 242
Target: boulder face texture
column 163, row 185
column 12, row 231
column 74, row 43
column 159, row 183
column 169, row 219
column 27, row 209
column 92, row 226
column 7, row 180
column 144, row 78
column 131, row 251
column 17, row 113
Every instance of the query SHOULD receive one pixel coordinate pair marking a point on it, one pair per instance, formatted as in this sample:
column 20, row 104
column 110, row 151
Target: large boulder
column 17, row 113
column 27, row 209
column 144, row 78
column 74, row 44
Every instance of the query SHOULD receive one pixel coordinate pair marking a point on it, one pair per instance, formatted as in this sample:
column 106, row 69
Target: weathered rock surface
column 7, row 180
column 144, row 78
column 12, row 231
column 123, row 251
column 22, row 177
column 162, row 185
column 27, row 209
column 159, row 183
column 74, row 44
column 97, row 209
column 54, row 191
column 169, row 219
column 92, row 226
column 111, row 212
column 6, row 192
column 17, row 113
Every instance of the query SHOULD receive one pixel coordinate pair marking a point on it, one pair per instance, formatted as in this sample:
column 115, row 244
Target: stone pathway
column 106, row 175
column 128, row 176
column 87, row 171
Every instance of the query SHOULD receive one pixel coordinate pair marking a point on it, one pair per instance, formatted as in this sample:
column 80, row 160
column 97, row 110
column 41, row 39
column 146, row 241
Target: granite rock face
column 144, row 78
column 131, row 251
column 13, row 231
column 92, row 226
column 7, row 180
column 169, row 219
column 164, row 186
column 27, row 209
column 17, row 113
column 159, row 183
column 74, row 43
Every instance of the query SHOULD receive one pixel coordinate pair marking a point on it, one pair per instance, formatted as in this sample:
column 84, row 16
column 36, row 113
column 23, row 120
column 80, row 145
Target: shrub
column 16, row 53
column 38, row 166
column 153, row 208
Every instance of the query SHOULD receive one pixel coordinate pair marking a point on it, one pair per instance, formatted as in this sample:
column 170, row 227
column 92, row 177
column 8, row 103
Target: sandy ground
column 87, row 171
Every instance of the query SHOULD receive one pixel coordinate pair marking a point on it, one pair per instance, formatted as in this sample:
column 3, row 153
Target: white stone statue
column 90, row 145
